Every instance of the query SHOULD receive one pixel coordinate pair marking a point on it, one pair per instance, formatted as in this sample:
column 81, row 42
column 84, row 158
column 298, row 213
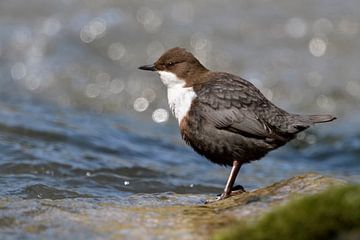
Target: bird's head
column 177, row 66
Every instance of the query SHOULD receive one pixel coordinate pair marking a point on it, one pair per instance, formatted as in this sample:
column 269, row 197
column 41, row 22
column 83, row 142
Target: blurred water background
column 78, row 120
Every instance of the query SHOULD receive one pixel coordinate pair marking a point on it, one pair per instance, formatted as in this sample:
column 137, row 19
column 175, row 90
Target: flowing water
column 80, row 126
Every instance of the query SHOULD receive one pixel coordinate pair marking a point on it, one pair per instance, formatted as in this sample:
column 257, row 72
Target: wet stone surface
column 149, row 216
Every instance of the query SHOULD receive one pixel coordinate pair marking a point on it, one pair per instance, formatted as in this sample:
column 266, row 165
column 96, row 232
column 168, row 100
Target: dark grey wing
column 233, row 104
column 237, row 121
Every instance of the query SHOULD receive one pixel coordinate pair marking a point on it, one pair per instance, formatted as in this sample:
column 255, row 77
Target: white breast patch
column 179, row 97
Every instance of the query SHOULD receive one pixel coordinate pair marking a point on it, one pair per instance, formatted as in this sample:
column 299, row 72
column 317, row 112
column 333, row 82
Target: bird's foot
column 238, row 189
column 234, row 191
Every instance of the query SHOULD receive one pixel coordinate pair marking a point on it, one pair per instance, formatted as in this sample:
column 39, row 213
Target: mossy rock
column 332, row 214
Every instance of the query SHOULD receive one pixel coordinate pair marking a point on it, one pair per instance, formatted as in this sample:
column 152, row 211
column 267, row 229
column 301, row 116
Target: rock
column 258, row 201
column 174, row 216
column 252, row 205
column 332, row 214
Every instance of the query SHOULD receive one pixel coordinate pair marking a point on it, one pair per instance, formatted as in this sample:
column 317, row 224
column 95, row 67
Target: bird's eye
column 169, row 64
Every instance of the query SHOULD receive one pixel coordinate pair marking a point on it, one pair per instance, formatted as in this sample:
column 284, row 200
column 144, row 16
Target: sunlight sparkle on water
column 96, row 28
column 141, row 104
column 149, row 19
column 92, row 90
column 117, row 86
column 317, row 47
column 160, row 115
column 116, row 51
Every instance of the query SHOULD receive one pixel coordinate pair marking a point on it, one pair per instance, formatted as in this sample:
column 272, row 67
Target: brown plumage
column 229, row 121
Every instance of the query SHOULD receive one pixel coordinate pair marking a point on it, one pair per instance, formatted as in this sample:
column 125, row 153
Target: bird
column 224, row 117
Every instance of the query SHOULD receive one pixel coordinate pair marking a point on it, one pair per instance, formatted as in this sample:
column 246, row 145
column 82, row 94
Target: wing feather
column 236, row 106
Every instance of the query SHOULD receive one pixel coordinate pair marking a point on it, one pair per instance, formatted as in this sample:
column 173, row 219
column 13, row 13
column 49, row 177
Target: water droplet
column 116, row 51
column 92, row 90
column 117, row 86
column 301, row 136
column 160, row 115
column 141, row 104
column 86, row 35
column 317, row 47
column 96, row 28
column 103, row 78
column 149, row 18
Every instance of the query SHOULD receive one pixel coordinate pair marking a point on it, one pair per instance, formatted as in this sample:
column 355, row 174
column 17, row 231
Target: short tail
column 302, row 122
column 312, row 119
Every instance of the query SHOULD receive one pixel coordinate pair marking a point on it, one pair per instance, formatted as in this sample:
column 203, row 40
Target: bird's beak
column 150, row 67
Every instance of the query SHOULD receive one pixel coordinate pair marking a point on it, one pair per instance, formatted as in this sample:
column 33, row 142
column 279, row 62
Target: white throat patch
column 179, row 97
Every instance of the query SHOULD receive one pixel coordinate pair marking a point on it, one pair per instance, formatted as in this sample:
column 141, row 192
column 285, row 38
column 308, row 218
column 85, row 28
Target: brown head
column 181, row 63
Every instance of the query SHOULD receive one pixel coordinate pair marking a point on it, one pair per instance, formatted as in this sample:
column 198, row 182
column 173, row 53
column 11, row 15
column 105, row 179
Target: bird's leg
column 229, row 189
column 231, row 180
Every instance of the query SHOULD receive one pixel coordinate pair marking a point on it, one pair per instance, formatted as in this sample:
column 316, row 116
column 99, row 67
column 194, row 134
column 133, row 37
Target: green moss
column 328, row 215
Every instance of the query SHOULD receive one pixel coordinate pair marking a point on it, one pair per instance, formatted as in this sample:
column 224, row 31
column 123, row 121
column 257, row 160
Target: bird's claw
column 238, row 189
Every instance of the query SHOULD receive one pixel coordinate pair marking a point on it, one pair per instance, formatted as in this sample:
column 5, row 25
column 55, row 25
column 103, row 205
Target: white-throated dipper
column 224, row 117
